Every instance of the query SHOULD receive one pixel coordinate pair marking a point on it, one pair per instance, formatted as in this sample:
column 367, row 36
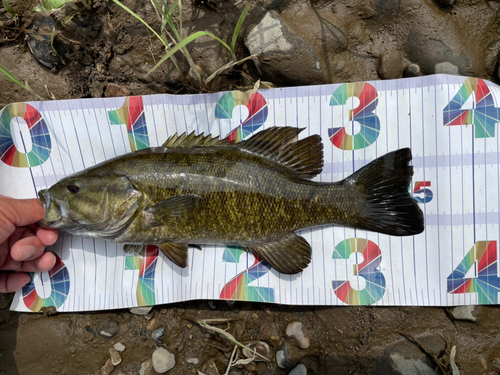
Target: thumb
column 21, row 212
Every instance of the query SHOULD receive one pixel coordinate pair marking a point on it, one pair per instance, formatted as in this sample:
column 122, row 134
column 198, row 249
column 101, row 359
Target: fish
column 200, row 189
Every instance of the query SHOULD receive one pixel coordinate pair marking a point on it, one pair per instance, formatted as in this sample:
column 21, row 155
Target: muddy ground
column 103, row 51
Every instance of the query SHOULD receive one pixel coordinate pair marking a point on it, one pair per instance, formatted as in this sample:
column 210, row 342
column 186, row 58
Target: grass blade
column 140, row 19
column 4, row 73
column 185, row 42
column 237, row 29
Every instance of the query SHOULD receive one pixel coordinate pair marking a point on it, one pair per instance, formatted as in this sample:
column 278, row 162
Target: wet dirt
column 108, row 53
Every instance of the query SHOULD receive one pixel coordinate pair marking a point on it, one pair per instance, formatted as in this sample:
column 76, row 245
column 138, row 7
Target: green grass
column 173, row 39
column 4, row 73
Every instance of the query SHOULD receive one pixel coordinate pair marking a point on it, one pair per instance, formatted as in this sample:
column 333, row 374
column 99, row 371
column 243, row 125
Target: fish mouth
column 53, row 213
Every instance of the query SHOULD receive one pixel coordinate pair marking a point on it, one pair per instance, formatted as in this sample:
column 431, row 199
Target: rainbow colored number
column 363, row 114
column 40, row 137
column 237, row 288
column 420, row 188
column 59, row 282
column 146, row 295
column 132, row 115
column 257, row 112
column 486, row 284
column 369, row 269
column 484, row 114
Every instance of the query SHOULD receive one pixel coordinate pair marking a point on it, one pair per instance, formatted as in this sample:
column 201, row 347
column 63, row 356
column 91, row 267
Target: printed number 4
column 486, row 283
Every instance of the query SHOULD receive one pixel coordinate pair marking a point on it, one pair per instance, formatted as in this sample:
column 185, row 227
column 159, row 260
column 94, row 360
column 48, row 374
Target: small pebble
column 158, row 334
column 300, row 369
column 193, row 361
column 150, row 315
column 107, row 368
column 255, row 316
column 446, row 68
column 147, row 368
column 297, row 331
column 109, row 328
column 412, row 70
column 261, row 348
column 116, row 359
column 274, row 338
column 466, row 313
column 163, row 360
column 141, row 310
column 283, row 357
column 119, row 346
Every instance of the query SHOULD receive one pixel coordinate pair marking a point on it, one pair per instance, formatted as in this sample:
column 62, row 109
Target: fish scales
column 199, row 189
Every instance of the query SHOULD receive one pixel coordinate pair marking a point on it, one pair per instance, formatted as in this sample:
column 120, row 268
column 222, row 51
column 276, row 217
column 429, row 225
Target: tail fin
column 389, row 208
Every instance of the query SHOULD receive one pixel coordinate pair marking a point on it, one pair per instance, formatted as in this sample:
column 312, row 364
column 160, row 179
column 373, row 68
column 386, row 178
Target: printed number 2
column 363, row 114
column 483, row 115
column 237, row 288
column 486, row 283
column 369, row 269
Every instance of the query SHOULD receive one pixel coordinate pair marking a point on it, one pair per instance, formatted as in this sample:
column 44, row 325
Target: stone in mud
column 116, row 359
column 158, row 334
column 109, row 328
column 285, row 58
column 446, row 68
column 405, row 358
column 49, row 53
column 107, row 368
column 390, row 64
column 119, row 346
column 147, row 368
column 284, row 358
column 163, row 360
column 297, row 331
column 300, row 369
column 412, row 70
column 466, row 313
column 141, row 310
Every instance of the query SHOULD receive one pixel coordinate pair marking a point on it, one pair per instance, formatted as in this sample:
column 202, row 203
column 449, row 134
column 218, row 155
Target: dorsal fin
column 305, row 157
column 192, row 140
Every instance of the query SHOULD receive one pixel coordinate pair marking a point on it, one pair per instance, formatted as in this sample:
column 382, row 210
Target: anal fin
column 176, row 252
column 289, row 255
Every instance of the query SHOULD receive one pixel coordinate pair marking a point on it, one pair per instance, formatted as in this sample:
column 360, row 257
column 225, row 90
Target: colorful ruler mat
column 448, row 121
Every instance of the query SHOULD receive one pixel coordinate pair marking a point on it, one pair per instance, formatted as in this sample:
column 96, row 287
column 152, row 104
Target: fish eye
column 73, row 187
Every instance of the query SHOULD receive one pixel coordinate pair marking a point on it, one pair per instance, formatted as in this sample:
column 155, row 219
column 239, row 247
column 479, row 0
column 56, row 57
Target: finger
column 21, row 212
column 42, row 264
column 27, row 248
column 47, row 236
column 12, row 282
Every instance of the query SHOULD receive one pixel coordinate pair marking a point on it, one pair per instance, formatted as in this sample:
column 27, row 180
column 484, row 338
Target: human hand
column 22, row 244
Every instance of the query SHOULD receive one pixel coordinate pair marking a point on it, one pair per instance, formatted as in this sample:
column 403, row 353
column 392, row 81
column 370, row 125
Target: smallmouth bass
column 200, row 189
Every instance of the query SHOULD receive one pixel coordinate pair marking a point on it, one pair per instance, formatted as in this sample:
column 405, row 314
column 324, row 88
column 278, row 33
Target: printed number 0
column 369, row 269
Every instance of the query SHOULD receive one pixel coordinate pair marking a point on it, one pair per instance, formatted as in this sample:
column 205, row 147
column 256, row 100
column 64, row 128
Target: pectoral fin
column 174, row 208
column 176, row 252
column 289, row 255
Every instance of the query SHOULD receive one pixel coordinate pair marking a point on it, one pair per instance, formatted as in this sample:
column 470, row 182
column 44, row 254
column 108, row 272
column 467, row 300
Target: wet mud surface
column 103, row 51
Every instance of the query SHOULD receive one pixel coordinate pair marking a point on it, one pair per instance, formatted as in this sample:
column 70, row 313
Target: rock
column 163, row 360
column 285, row 58
column 113, row 90
column 406, row 358
column 116, row 359
column 261, row 348
column 119, row 346
column 5, row 300
column 283, row 357
column 300, row 369
column 466, row 313
column 158, row 334
column 193, row 361
column 390, row 64
column 109, row 328
column 412, row 70
column 147, row 368
column 446, row 68
column 141, row 310
column 107, row 368
column 49, row 53
column 297, row 331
